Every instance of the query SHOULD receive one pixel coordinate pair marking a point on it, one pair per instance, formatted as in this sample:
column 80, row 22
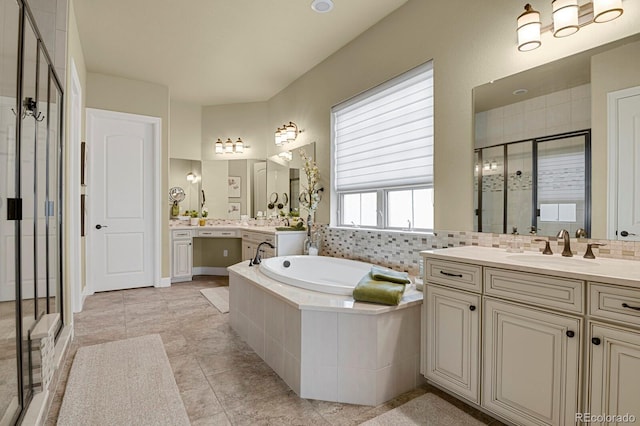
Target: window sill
column 383, row 230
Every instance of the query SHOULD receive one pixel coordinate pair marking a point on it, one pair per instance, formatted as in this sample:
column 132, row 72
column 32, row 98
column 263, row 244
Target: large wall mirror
column 187, row 174
column 534, row 137
column 285, row 180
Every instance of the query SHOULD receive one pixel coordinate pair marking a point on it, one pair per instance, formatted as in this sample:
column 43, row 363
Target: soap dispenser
column 515, row 245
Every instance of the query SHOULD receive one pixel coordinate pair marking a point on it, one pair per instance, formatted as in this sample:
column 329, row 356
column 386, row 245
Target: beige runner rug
column 428, row 409
column 126, row 382
column 218, row 297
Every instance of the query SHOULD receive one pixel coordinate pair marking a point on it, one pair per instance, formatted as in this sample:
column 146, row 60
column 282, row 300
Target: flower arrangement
column 205, row 212
column 310, row 197
column 194, row 214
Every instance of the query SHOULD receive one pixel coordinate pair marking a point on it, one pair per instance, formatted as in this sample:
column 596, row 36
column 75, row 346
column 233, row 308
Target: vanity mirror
column 187, row 174
column 284, row 179
column 541, row 145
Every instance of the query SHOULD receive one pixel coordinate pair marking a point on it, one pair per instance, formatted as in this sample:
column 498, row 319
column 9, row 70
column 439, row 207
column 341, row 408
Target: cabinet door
column 614, row 379
column 248, row 250
column 531, row 372
column 182, row 259
column 453, row 333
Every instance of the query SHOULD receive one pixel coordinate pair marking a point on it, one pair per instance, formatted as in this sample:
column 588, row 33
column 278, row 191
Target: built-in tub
column 326, row 346
column 318, row 273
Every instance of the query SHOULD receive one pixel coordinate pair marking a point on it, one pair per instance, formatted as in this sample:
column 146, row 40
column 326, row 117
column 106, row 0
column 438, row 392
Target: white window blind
column 383, row 137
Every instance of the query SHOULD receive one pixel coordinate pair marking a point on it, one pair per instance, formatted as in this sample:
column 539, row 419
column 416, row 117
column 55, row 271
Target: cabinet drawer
column 539, row 290
column 258, row 237
column 614, row 303
column 181, row 234
column 454, row 274
column 216, row 233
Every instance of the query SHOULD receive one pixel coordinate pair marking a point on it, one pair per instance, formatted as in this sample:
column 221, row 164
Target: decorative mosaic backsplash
column 401, row 251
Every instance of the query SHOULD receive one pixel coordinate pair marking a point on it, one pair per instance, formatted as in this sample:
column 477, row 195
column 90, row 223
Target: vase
column 313, row 241
column 193, row 221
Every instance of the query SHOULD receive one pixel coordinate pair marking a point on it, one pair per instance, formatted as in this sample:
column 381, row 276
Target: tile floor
column 221, row 380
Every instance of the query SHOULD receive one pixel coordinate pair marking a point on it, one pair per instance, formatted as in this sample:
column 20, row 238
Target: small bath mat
column 126, row 382
column 218, row 297
column 427, row 410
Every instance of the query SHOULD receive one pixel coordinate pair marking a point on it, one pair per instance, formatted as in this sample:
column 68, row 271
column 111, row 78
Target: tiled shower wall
column 401, row 251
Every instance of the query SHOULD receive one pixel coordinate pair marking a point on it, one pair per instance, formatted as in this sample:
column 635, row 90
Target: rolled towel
column 384, row 274
column 376, row 291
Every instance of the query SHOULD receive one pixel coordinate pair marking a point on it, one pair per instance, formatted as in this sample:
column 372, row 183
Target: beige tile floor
column 221, row 380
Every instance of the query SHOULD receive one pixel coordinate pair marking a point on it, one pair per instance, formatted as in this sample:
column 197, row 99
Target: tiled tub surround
column 327, row 347
column 401, row 250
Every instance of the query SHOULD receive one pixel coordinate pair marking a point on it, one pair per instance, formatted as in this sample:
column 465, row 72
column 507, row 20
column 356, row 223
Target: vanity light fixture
column 219, row 147
column 286, row 155
column 606, row 10
column 192, row 177
column 568, row 18
column 229, row 147
column 565, row 17
column 286, row 133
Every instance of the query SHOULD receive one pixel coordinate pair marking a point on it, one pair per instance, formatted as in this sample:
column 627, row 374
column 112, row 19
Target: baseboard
column 164, row 282
column 210, row 270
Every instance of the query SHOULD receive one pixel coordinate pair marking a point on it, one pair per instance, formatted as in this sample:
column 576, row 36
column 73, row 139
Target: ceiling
column 214, row 52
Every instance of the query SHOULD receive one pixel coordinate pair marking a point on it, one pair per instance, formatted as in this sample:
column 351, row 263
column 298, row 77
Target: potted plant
column 194, row 218
column 203, row 219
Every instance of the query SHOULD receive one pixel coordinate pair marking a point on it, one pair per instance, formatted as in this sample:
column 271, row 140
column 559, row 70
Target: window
column 382, row 146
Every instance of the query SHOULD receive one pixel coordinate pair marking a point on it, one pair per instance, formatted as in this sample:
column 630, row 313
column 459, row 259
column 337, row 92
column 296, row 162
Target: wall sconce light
column 286, row 133
column 568, row 18
column 229, row 147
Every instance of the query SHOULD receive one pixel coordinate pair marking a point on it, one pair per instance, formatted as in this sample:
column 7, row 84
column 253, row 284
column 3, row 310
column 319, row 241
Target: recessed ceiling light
column 322, row 6
column 520, row 92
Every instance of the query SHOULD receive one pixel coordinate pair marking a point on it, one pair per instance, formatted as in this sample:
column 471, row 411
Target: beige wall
column 471, row 43
column 137, row 97
column 75, row 54
column 613, row 70
column 185, row 131
column 210, row 252
column 245, row 121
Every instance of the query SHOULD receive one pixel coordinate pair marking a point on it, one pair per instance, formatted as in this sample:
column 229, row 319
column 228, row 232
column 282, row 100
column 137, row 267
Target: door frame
column 74, row 193
column 156, row 204
column 612, row 152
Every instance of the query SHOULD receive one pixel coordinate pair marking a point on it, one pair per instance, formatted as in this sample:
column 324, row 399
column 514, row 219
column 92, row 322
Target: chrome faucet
column 566, row 238
column 257, row 259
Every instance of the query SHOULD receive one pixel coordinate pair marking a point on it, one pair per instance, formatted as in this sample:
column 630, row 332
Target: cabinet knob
column 472, row 308
column 595, row 341
column 570, row 333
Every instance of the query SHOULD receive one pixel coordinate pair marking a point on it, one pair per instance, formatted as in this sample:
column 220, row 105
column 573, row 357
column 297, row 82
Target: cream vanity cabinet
column 614, row 351
column 453, row 327
column 181, row 255
column 507, row 341
column 286, row 243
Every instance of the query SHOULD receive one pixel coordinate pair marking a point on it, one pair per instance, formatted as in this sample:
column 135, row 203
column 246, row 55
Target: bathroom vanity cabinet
column 523, row 343
column 286, row 243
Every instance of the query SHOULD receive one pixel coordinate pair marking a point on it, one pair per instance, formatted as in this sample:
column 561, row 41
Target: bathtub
column 318, row 273
column 326, row 346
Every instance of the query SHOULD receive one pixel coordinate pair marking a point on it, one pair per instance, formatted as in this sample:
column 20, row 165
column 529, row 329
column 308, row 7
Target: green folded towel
column 375, row 291
column 288, row 228
column 383, row 274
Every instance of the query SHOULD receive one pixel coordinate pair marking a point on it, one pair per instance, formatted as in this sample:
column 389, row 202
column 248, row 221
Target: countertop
column 226, row 227
column 612, row 271
column 313, row 300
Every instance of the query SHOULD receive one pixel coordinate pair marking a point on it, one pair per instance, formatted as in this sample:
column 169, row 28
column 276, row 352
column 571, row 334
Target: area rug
column 428, row 409
column 126, row 382
column 218, row 297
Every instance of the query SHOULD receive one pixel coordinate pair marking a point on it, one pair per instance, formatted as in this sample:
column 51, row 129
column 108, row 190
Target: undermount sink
column 542, row 260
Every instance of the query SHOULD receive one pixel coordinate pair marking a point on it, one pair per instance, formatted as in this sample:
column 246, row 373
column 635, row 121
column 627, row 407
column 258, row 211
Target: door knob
column 596, row 341
column 626, row 234
column 98, row 226
column 570, row 333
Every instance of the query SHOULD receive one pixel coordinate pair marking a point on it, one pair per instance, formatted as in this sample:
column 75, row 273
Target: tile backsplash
column 401, row 251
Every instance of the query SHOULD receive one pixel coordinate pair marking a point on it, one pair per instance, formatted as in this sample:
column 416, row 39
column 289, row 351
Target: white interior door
column 120, row 197
column 624, row 125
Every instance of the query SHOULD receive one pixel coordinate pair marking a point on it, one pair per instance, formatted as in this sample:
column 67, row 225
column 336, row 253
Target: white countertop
column 313, row 300
column 612, row 271
column 261, row 229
